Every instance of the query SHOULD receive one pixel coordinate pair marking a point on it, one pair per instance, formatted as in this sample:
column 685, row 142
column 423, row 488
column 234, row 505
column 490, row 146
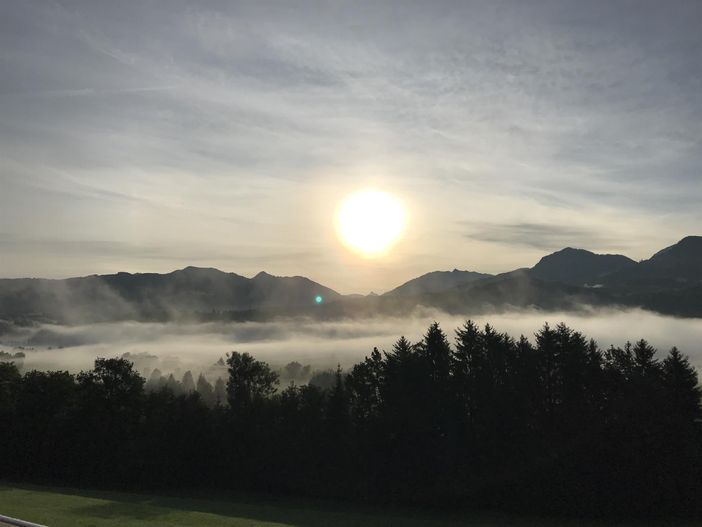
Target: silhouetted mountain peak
column 578, row 266
column 691, row 240
column 679, row 265
column 436, row 281
column 690, row 247
column 263, row 275
column 191, row 270
column 572, row 252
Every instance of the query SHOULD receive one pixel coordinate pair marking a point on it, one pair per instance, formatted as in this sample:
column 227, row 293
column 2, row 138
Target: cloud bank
column 321, row 344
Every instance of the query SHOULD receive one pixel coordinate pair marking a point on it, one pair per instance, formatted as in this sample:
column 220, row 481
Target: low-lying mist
column 176, row 348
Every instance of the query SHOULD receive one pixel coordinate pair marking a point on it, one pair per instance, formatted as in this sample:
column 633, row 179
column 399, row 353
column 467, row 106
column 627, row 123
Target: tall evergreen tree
column 204, row 388
column 188, row 383
column 681, row 383
column 220, row 392
column 365, row 383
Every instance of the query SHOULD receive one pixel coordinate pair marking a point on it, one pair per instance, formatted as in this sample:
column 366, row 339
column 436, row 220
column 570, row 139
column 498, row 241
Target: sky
column 148, row 136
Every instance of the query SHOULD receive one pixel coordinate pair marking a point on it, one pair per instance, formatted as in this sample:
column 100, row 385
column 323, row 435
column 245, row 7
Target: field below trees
column 63, row 507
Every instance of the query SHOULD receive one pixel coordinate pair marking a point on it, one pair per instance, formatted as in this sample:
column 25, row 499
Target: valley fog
column 178, row 348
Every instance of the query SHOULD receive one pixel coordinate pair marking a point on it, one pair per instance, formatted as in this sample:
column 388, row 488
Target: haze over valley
column 179, row 347
column 189, row 319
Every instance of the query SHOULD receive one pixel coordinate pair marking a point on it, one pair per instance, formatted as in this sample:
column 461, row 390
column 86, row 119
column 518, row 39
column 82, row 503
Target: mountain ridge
column 669, row 282
column 579, row 266
column 152, row 296
column 436, row 281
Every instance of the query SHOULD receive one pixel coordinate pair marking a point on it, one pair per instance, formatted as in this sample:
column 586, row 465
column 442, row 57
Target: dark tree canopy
column 554, row 424
column 250, row 381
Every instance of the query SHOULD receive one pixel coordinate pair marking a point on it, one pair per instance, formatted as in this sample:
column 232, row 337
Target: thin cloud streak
column 543, row 237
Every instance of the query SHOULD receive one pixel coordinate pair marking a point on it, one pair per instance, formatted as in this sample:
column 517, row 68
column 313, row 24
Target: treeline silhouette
column 490, row 421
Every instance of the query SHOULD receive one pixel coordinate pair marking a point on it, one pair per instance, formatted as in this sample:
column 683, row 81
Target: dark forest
column 557, row 425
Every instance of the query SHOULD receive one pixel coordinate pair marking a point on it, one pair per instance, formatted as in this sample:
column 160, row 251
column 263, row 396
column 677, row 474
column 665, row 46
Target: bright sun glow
column 369, row 222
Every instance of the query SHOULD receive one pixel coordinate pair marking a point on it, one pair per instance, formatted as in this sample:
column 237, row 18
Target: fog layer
column 320, row 344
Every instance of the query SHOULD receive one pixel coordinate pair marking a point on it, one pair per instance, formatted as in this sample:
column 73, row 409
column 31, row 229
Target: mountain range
column 670, row 282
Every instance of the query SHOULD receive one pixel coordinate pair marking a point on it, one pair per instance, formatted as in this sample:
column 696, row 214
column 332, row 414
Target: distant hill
column 435, row 282
column 679, row 265
column 669, row 282
column 152, row 296
column 680, row 262
column 579, row 267
column 516, row 289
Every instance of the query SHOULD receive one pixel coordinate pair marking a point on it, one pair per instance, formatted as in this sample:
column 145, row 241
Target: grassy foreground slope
column 77, row 508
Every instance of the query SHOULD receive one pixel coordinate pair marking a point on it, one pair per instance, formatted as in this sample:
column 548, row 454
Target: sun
column 369, row 222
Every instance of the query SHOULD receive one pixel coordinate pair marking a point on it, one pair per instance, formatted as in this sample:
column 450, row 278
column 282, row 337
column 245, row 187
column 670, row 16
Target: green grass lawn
column 76, row 508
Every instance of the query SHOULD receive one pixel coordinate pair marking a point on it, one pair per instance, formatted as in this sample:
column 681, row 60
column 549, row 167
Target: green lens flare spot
column 318, row 299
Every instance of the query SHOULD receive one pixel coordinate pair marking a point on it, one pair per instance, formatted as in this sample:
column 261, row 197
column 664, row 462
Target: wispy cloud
column 543, row 237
